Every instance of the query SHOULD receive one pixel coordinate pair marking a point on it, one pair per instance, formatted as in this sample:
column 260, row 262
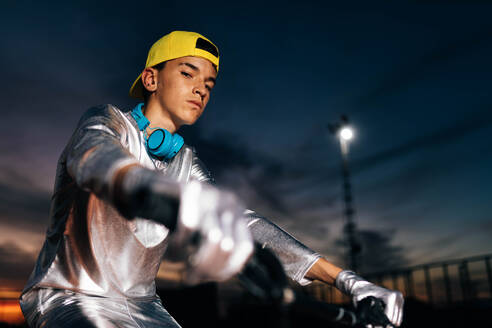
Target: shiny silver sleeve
column 96, row 152
column 199, row 171
column 295, row 257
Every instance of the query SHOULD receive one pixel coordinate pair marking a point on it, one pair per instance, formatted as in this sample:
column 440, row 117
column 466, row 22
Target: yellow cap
column 175, row 45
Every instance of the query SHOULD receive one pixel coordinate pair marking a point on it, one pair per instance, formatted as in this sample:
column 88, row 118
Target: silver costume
column 101, row 253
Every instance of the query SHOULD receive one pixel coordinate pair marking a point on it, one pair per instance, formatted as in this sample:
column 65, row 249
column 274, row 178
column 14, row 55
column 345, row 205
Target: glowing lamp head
column 346, row 134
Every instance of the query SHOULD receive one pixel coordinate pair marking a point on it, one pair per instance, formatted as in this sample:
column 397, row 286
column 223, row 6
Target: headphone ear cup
column 161, row 143
column 156, row 139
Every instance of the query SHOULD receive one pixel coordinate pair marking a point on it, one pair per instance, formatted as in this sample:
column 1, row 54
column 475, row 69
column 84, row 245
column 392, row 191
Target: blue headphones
column 161, row 143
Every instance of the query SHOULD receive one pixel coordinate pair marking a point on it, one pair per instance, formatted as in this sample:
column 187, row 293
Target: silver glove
column 211, row 232
column 358, row 288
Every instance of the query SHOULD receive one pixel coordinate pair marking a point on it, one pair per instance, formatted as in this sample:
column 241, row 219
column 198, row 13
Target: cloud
column 256, row 178
column 271, row 186
column 378, row 253
column 251, row 174
column 16, row 265
column 24, row 208
column 468, row 124
column 410, row 72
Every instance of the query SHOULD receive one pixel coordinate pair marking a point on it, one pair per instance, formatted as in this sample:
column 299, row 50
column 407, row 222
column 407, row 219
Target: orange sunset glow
column 10, row 311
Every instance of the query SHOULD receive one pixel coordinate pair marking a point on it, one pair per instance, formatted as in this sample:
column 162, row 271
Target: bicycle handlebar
column 263, row 276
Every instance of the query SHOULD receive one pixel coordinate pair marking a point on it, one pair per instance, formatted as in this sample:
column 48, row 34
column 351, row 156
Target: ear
column 149, row 79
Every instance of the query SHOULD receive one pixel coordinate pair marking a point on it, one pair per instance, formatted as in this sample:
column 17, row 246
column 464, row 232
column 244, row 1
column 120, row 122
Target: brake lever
column 370, row 311
column 264, row 277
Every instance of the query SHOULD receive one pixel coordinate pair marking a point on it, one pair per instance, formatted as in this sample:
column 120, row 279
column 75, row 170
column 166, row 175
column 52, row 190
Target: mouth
column 196, row 103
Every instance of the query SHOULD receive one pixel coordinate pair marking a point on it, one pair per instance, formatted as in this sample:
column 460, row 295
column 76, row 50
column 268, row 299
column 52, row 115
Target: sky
column 413, row 77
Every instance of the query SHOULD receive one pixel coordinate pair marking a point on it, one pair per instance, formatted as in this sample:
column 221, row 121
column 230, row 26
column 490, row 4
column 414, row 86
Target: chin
column 187, row 122
column 190, row 120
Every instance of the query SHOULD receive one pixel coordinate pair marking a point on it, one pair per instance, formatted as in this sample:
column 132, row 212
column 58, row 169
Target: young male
column 128, row 190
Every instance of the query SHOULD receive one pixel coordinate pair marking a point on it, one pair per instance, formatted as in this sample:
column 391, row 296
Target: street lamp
column 345, row 133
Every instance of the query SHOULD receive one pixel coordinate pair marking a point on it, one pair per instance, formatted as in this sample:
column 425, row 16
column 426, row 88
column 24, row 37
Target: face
column 183, row 88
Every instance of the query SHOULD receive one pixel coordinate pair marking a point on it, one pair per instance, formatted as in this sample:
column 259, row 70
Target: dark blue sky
column 414, row 78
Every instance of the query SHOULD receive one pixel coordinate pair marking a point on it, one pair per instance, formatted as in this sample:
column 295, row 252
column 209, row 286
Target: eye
column 186, row 74
column 209, row 88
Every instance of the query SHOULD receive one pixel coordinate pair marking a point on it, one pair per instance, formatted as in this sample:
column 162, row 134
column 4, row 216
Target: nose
column 200, row 90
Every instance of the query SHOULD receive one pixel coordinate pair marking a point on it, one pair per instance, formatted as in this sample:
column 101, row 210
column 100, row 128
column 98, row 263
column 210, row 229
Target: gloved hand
column 358, row 288
column 211, row 232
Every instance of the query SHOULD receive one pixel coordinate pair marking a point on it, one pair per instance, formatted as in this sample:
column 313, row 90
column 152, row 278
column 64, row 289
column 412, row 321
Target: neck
column 158, row 117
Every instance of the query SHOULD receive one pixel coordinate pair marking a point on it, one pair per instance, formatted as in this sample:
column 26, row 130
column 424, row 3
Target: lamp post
column 344, row 133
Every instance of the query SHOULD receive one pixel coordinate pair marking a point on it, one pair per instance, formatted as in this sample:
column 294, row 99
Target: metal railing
column 439, row 283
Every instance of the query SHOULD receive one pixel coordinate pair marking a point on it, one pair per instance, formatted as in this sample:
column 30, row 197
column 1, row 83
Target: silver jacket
column 91, row 248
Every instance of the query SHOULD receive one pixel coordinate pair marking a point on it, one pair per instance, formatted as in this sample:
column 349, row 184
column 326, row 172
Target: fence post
column 428, row 284
column 489, row 275
column 465, row 281
column 326, row 293
column 408, row 284
column 447, row 284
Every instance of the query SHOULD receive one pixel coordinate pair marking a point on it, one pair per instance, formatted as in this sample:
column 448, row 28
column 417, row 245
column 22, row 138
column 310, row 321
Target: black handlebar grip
column 370, row 310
